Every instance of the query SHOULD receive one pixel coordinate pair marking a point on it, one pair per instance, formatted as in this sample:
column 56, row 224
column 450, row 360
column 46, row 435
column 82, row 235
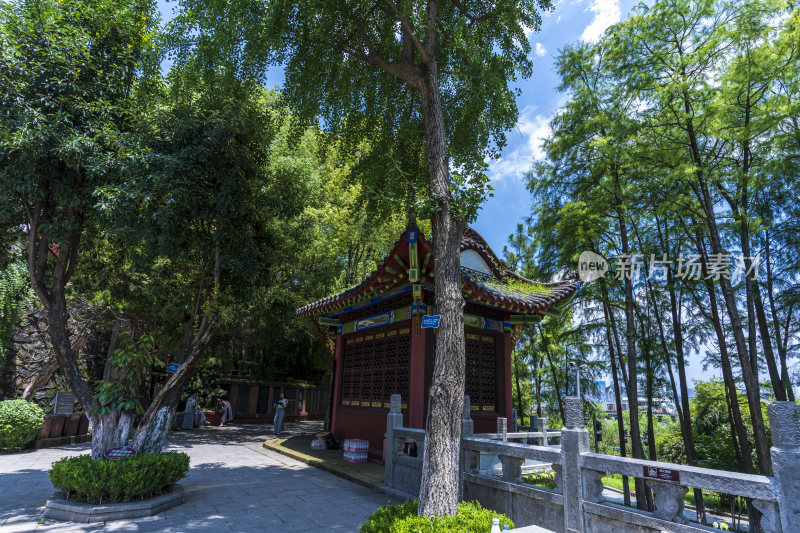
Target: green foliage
column 543, row 478
column 138, row 477
column 135, row 359
column 402, row 518
column 713, row 428
column 670, row 446
column 20, row 421
column 15, row 295
column 479, row 52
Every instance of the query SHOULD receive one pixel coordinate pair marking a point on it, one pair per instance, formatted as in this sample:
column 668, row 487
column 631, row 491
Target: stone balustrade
column 577, row 504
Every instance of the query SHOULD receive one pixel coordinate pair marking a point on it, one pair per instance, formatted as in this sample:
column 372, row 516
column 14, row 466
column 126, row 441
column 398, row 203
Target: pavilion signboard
column 431, row 321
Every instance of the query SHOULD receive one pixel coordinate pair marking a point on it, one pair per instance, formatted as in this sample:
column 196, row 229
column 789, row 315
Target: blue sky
column 572, row 21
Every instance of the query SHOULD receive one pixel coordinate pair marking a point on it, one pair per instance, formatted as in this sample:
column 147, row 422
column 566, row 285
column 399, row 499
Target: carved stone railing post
column 466, row 458
column 593, row 486
column 502, row 428
column 543, row 429
column 558, row 472
column 512, row 468
column 393, row 420
column 770, row 516
column 668, row 499
column 574, row 442
column 784, row 423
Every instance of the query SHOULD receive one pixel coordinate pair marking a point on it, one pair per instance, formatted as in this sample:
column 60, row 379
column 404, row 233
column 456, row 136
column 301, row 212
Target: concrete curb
column 317, row 463
column 59, row 509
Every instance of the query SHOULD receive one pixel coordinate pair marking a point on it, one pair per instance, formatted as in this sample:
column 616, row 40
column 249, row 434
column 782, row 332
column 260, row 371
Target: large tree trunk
column 682, row 399
column 617, row 396
column 553, row 373
column 520, row 410
column 743, row 452
column 787, row 382
column 632, row 386
column 439, row 486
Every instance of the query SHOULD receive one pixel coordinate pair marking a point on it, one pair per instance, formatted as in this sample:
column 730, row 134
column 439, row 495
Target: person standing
column 280, row 413
column 189, row 412
column 224, row 407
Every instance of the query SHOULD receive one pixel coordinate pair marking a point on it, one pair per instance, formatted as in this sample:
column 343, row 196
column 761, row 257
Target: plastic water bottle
column 506, row 528
column 495, row 525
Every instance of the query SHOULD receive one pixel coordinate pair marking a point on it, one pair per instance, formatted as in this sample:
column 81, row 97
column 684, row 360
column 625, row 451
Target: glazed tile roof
column 485, row 289
column 504, row 289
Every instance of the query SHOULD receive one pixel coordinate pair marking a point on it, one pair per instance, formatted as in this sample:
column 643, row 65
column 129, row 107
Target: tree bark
column 682, row 400
column 617, row 396
column 632, row 386
column 520, row 411
column 439, row 486
column 553, row 373
column 787, row 382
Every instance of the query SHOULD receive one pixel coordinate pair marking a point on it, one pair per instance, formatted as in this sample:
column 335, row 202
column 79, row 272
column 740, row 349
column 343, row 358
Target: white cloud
column 528, row 30
column 540, row 50
column 606, row 13
column 531, row 129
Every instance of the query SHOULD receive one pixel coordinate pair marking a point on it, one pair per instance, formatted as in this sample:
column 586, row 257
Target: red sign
column 662, row 474
column 118, row 453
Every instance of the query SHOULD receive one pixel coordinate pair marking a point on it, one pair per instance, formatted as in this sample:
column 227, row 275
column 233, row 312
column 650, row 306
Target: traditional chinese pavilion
column 375, row 334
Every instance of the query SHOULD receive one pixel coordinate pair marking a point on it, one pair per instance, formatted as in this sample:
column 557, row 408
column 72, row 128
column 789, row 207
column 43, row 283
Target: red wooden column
column 507, row 398
column 337, row 389
column 416, row 377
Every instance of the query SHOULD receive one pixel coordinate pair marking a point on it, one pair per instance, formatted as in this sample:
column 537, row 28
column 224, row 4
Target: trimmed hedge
column 138, row 477
column 20, row 421
column 402, row 518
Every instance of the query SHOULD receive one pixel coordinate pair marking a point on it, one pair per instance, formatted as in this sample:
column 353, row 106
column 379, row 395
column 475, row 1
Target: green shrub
column 546, row 479
column 402, row 518
column 138, row 477
column 20, row 421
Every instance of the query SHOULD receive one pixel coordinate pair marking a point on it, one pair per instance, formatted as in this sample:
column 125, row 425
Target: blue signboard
column 431, row 321
column 173, row 367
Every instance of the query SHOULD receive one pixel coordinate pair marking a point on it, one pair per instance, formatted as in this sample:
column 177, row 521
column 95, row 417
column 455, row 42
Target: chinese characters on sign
column 118, row 453
column 662, row 474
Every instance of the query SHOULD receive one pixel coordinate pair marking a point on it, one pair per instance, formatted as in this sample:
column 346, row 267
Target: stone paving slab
column 234, row 484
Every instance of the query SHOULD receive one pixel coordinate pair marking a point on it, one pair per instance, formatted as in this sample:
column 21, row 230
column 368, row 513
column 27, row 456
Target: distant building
column 661, row 407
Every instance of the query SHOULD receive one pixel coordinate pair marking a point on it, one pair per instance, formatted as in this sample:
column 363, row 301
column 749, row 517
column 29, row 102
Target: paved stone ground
column 234, row 484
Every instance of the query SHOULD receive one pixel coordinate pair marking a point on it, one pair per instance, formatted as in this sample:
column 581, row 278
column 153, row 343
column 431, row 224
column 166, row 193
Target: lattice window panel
column 472, row 378
column 374, row 366
column 479, row 379
column 488, row 386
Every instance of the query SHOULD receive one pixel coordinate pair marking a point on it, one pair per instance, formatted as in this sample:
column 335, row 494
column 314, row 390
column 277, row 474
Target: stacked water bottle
column 355, row 450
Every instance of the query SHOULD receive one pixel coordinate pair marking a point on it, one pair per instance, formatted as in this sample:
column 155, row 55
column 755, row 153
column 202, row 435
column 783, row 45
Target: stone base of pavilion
column 60, row 509
column 368, row 474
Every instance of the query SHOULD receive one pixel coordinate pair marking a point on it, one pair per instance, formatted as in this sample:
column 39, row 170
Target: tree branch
column 408, row 28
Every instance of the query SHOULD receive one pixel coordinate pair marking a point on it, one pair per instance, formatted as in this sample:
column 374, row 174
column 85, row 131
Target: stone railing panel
column 514, row 449
column 748, row 485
